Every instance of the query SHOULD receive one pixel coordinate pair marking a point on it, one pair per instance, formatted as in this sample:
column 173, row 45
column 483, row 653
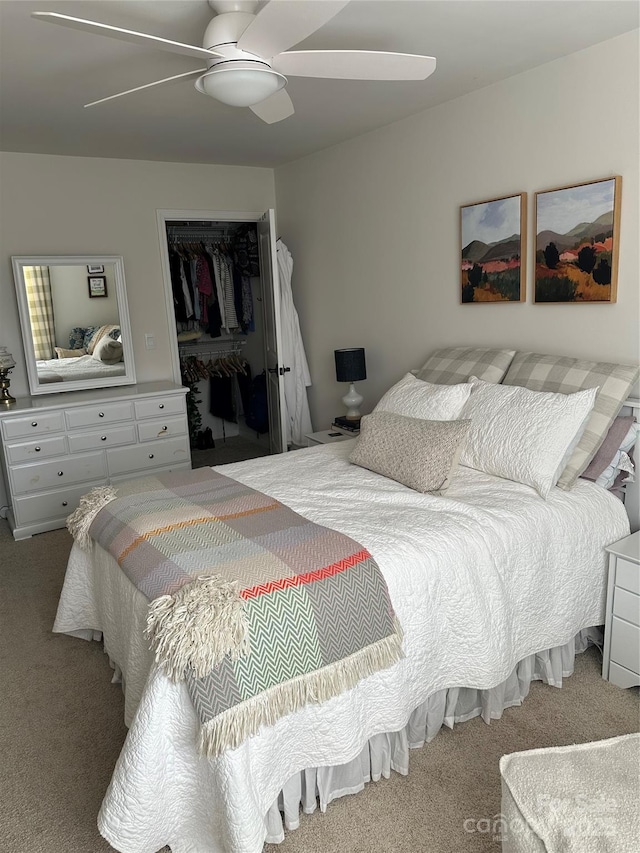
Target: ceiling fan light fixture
column 240, row 87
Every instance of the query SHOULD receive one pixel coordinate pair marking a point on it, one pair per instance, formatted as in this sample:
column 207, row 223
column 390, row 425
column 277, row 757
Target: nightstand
column 621, row 653
column 328, row 436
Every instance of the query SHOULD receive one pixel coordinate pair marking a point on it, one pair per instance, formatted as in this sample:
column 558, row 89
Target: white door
column 272, row 336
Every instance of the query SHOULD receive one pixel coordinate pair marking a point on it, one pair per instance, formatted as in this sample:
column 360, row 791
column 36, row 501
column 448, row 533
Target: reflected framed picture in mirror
column 95, row 269
column 97, row 286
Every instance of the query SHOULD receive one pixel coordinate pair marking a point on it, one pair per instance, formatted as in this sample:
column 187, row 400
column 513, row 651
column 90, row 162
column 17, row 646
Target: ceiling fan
column 247, row 55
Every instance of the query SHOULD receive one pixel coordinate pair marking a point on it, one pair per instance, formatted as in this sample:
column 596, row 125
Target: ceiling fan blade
column 276, row 108
column 354, row 65
column 124, row 35
column 283, row 23
column 147, row 86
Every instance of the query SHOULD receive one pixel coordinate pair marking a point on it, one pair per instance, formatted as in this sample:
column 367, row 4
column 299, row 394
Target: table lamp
column 351, row 367
column 7, row 363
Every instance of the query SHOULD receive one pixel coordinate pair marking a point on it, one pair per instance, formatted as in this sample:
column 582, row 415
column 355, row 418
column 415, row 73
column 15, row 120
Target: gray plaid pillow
column 420, row 454
column 566, row 376
column 456, row 364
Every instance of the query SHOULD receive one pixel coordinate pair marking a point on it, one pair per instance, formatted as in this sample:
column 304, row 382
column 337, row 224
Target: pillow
column 620, row 438
column 456, row 364
column 604, row 469
column 61, row 352
column 417, row 399
column 76, row 338
column 99, row 333
column 418, row 453
column 566, row 376
column 89, row 332
column 108, row 351
column 523, row 435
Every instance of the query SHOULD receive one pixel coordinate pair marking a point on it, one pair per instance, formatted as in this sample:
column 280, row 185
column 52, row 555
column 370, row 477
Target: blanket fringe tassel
column 80, row 520
column 230, row 728
column 197, row 626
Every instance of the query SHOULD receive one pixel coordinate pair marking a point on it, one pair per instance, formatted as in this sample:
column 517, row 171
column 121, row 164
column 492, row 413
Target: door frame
column 164, row 216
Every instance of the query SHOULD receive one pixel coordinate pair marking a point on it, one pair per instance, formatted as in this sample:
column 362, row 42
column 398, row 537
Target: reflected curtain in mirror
column 38, row 287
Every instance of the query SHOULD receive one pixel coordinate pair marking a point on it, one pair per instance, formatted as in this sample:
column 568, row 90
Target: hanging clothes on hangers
column 298, row 379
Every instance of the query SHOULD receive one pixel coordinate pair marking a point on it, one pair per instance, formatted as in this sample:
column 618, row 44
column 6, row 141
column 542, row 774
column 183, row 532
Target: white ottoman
column 573, row 799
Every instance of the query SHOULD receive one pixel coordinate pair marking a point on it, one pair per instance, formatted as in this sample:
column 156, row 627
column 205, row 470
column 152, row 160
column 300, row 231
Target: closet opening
column 216, row 295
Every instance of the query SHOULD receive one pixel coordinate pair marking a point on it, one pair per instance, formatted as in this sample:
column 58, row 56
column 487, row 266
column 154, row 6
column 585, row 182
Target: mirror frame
column 35, row 387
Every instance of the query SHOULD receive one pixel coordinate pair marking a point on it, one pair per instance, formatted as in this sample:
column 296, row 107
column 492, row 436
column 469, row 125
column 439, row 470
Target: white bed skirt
column 390, row 751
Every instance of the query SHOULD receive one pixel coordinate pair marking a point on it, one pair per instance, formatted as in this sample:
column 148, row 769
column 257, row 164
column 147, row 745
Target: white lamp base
column 352, row 401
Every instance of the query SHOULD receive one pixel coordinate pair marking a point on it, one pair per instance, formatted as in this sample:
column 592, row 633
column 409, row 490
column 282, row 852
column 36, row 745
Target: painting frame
column 494, row 272
column 95, row 269
column 579, row 263
column 97, row 286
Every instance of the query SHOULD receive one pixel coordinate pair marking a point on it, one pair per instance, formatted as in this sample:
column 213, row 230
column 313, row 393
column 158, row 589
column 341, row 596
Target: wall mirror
column 74, row 321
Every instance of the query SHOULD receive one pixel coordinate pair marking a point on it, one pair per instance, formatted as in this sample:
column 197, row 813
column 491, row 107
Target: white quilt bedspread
column 479, row 579
column 71, row 369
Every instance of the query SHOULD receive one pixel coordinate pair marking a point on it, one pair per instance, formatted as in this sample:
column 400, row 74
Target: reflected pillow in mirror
column 108, row 351
column 61, row 352
column 76, row 337
column 101, row 332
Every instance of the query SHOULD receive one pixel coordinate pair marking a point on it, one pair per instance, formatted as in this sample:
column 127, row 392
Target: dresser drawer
column 50, row 505
column 142, row 457
column 95, row 415
column 111, row 437
column 38, row 424
column 626, row 605
column 59, row 472
column 625, row 644
column 151, row 430
column 33, row 451
column 160, row 406
column 628, row 575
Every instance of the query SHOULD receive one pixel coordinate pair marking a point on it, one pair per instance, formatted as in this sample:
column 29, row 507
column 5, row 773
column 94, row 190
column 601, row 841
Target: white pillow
column 107, row 350
column 621, row 461
column 523, row 435
column 415, row 398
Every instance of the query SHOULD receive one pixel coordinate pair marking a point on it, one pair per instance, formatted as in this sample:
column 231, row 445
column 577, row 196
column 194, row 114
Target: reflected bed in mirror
column 74, row 321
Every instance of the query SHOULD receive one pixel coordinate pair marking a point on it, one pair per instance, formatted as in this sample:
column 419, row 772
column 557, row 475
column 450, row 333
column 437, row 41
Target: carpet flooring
column 61, row 731
column 237, row 448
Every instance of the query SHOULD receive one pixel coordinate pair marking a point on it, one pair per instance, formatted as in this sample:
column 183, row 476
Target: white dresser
column 57, row 447
column 621, row 653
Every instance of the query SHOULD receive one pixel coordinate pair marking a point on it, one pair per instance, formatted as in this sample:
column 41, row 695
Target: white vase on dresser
column 56, row 448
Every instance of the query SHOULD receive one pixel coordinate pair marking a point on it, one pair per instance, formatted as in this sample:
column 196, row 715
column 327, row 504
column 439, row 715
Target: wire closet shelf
column 211, row 349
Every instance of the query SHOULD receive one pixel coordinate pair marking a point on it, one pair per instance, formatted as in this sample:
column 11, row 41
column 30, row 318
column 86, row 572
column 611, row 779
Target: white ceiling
column 48, row 72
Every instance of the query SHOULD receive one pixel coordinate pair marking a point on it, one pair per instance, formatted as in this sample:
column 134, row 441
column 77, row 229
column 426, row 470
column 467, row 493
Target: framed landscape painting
column 577, row 238
column 493, row 254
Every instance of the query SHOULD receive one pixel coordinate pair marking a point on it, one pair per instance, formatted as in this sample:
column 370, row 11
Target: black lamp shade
column 350, row 364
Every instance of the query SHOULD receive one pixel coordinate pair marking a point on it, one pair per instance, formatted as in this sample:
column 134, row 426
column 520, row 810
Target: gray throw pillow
column 420, row 454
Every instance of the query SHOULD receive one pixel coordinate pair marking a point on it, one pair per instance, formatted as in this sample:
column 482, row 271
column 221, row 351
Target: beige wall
column 373, row 223
column 72, row 305
column 52, row 205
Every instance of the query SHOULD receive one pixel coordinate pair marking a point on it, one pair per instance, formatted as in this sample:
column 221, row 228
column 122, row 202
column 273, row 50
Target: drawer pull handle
column 34, row 423
column 37, row 449
column 161, row 406
column 64, row 503
column 164, row 429
column 60, row 473
column 151, row 456
column 100, row 414
column 103, row 438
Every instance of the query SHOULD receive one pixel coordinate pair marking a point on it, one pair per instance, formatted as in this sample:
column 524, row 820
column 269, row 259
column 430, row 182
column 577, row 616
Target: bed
column 72, row 369
column 493, row 587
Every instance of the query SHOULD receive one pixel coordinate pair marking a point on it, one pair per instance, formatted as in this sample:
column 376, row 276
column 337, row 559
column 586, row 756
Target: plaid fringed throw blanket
column 260, row 610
